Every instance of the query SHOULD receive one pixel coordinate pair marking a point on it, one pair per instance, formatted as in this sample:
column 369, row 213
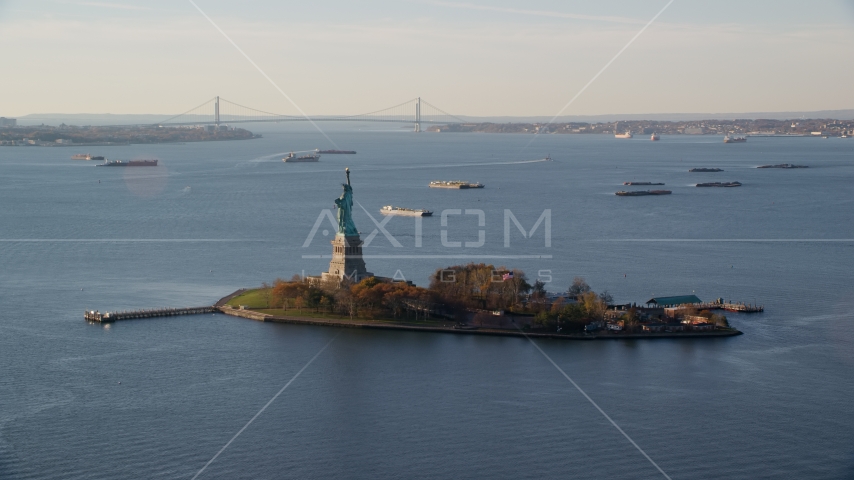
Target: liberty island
column 457, row 300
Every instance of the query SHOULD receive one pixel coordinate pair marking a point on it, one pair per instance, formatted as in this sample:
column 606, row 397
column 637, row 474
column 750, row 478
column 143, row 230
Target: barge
column 455, row 184
column 336, row 152
column 86, row 156
column 784, row 165
column 132, row 163
column 641, row 193
column 719, row 184
column 292, row 158
column 407, row 212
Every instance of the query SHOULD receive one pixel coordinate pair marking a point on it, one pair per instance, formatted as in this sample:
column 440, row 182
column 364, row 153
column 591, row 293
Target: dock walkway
column 96, row 316
column 732, row 307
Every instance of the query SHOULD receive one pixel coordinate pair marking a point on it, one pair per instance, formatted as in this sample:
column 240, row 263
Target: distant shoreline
column 76, row 136
column 764, row 128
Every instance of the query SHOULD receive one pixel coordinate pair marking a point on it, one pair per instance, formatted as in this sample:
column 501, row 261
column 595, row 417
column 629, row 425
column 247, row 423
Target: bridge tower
column 216, row 111
column 418, row 115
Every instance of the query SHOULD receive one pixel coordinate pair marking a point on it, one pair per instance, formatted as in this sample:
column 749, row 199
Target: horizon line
column 734, row 115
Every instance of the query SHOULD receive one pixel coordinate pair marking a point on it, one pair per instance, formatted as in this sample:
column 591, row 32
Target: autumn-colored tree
column 594, row 307
column 719, row 320
column 631, row 319
column 578, row 288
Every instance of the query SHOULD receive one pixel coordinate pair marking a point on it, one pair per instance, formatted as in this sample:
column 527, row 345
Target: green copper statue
column 344, row 203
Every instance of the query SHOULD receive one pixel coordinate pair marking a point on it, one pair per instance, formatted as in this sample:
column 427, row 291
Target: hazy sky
column 473, row 57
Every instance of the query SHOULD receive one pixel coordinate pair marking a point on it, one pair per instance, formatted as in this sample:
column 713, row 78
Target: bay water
column 158, row 398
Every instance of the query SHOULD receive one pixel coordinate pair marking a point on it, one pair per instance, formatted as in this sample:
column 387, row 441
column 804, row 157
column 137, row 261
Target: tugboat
column 407, row 212
column 655, row 137
column 304, row 158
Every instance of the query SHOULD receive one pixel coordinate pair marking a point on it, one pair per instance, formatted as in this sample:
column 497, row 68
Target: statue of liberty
column 344, row 203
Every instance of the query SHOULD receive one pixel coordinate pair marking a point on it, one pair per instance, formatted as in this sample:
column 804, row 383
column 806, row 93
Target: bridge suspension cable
column 194, row 111
column 219, row 110
column 230, row 112
column 437, row 115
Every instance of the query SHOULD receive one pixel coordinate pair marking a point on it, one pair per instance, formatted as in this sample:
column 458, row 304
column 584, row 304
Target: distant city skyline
column 473, row 58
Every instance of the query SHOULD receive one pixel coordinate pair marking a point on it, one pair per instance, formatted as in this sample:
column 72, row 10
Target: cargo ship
column 784, row 165
column 641, row 193
column 623, row 135
column 408, row 212
column 131, row 163
column 641, row 183
column 304, row 158
column 458, row 184
column 336, row 152
column 720, row 184
column 655, row 137
column 86, row 156
column 706, row 170
column 728, row 139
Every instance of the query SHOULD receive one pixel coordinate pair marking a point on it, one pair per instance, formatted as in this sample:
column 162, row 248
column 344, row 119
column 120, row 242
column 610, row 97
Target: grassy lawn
column 256, row 300
column 251, row 298
column 306, row 313
column 310, row 313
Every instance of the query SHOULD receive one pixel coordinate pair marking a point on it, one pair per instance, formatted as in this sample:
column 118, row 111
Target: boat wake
column 451, row 165
column 445, row 165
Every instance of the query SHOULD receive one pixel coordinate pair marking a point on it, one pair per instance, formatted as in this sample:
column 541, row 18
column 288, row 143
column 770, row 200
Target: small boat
column 408, row 212
column 729, row 139
column 641, row 183
column 655, row 137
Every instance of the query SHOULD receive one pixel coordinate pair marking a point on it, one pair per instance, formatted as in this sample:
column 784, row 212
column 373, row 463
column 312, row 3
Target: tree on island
column 459, row 291
column 479, row 286
column 578, row 288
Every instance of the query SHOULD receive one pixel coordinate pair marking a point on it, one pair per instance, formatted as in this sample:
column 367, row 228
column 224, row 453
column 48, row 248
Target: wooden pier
column 105, row 317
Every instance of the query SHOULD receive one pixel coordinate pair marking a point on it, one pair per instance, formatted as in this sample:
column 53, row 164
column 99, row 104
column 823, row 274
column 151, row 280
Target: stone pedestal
column 347, row 260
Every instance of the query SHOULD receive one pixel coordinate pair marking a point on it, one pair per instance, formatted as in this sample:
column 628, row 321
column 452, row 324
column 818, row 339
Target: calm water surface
column 214, row 217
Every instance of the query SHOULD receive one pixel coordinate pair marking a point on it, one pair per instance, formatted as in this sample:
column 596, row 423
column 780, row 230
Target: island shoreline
column 297, row 320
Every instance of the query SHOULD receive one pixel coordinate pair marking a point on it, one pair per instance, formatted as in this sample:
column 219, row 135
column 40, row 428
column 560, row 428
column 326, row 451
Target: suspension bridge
column 219, row 110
